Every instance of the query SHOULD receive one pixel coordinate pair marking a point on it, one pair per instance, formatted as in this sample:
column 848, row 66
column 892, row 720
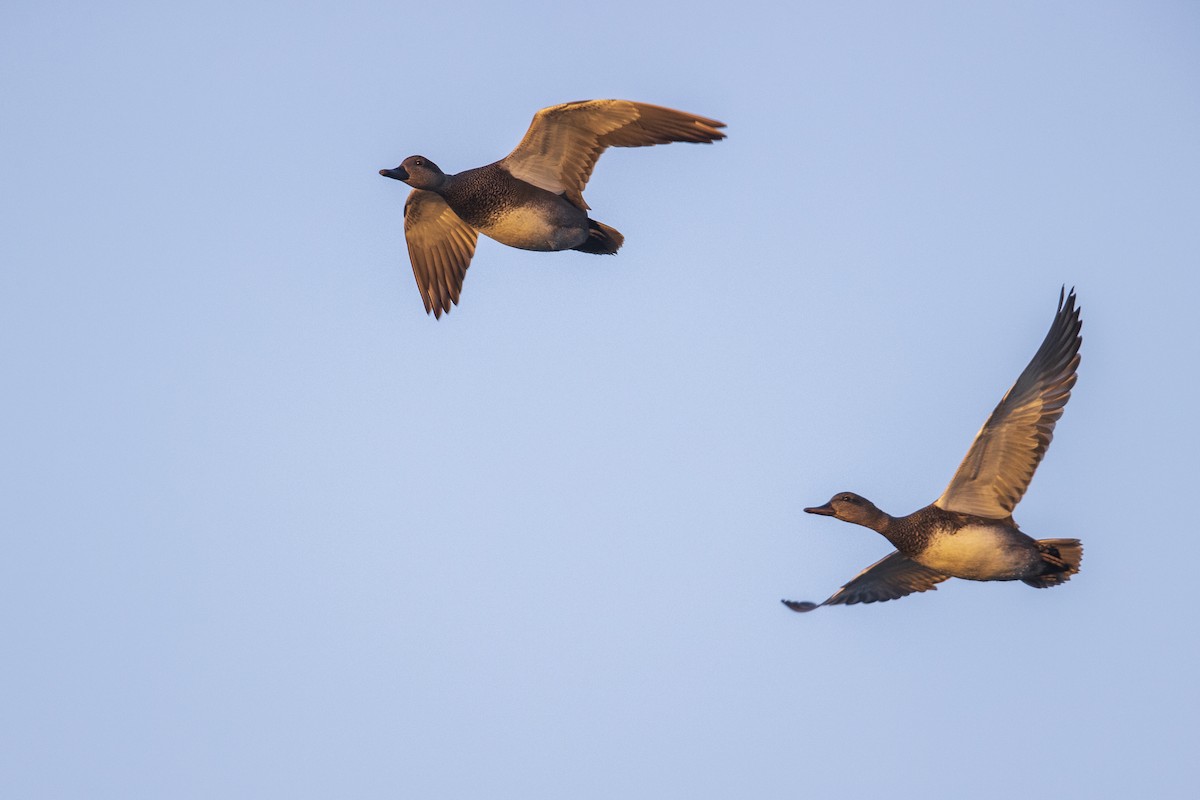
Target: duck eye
column 420, row 163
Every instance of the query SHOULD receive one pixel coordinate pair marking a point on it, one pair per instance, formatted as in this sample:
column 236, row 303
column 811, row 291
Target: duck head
column 418, row 172
column 851, row 507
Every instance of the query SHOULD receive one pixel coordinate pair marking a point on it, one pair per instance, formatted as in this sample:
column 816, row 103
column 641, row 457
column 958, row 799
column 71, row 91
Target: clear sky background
column 270, row 531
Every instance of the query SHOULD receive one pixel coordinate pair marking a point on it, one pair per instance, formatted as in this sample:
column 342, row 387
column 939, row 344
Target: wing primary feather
column 440, row 247
column 1001, row 461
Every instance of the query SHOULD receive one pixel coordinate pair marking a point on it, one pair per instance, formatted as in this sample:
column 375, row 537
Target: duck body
column 980, row 550
column 514, row 212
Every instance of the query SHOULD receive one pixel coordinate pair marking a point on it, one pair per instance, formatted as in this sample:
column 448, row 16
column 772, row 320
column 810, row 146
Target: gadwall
column 533, row 197
column 969, row 531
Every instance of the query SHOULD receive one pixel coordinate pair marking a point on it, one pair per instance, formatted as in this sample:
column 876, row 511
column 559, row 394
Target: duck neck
column 882, row 523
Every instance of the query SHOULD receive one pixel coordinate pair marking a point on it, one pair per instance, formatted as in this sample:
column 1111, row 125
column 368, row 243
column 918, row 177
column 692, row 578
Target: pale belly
column 529, row 230
column 982, row 553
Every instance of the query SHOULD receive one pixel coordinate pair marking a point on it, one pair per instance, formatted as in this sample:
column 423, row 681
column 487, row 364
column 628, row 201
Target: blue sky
column 274, row 532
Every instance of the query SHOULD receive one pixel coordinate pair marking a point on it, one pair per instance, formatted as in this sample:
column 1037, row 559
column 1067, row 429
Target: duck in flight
column 969, row 531
column 533, row 197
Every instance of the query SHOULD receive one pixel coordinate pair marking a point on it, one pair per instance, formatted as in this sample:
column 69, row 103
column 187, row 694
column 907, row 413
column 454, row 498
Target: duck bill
column 399, row 173
column 825, row 510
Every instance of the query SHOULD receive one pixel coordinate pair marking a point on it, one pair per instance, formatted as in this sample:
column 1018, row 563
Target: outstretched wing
column 891, row 577
column 997, row 470
column 563, row 142
column 440, row 246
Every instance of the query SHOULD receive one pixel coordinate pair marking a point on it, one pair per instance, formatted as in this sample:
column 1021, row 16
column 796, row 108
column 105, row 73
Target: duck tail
column 602, row 240
column 1060, row 560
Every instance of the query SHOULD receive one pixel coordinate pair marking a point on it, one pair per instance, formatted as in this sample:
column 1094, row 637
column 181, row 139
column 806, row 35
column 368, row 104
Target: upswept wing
column 890, row 578
column 997, row 470
column 564, row 141
column 440, row 246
